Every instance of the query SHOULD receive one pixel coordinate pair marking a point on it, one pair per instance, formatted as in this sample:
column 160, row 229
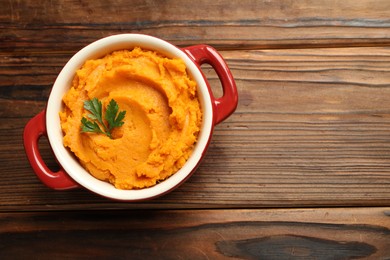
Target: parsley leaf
column 112, row 117
column 88, row 126
column 95, row 107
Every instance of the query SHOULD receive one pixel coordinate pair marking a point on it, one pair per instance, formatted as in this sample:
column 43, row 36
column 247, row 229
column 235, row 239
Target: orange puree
column 161, row 125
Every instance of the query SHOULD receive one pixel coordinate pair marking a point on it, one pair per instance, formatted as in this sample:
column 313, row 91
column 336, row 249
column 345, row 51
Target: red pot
column 72, row 174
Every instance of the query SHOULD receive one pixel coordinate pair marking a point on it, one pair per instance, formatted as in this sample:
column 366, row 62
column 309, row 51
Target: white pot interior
column 62, row 84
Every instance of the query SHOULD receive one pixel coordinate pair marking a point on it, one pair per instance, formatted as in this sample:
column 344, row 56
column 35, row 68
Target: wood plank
column 323, row 233
column 311, row 128
column 41, row 26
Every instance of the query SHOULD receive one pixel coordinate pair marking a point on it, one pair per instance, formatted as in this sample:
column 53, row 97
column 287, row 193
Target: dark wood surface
column 342, row 233
column 301, row 170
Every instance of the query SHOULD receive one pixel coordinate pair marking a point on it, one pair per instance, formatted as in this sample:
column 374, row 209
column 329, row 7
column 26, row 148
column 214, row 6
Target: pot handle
column 225, row 105
column 33, row 131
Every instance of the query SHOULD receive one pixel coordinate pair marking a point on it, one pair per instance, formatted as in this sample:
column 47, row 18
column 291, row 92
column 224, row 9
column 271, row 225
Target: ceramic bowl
column 72, row 174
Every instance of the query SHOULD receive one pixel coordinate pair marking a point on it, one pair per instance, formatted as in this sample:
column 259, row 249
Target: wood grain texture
column 343, row 233
column 311, row 129
column 42, row 26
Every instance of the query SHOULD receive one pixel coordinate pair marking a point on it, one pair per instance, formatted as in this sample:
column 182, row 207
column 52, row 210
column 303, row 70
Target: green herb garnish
column 97, row 125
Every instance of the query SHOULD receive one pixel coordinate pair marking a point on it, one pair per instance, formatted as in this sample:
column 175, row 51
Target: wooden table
column 301, row 170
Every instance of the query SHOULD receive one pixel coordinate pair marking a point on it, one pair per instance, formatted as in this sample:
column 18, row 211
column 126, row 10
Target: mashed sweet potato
column 161, row 125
